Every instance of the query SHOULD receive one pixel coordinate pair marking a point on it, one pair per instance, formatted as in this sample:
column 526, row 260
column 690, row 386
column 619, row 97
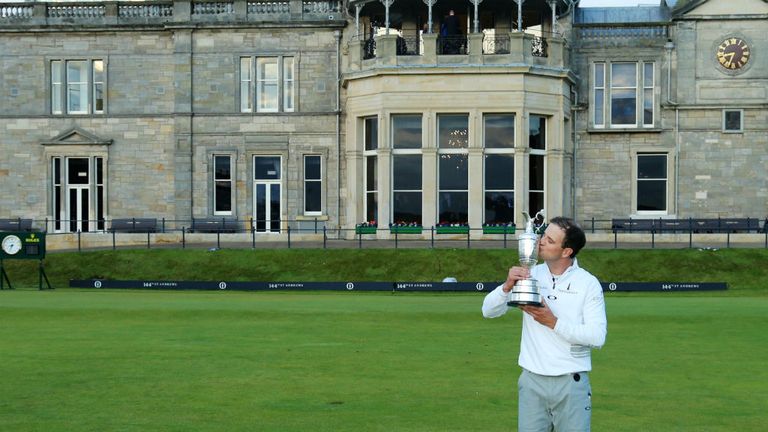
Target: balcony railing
column 452, row 45
column 16, row 15
column 498, row 44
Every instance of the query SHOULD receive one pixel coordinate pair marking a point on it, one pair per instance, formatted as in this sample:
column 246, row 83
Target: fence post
column 253, row 236
column 469, row 230
column 148, row 240
column 289, row 236
column 325, row 237
column 432, row 237
column 395, row 237
column 616, row 237
column 653, row 238
column 218, row 239
column 359, row 239
column 593, row 224
column 113, row 240
column 183, row 237
column 162, row 230
column 78, row 241
column 728, row 239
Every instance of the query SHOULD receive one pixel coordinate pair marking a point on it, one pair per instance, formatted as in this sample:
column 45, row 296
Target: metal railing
column 452, row 45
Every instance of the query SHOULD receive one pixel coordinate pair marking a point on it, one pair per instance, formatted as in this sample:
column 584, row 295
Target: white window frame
column 510, row 151
column 60, row 85
column 252, row 83
column 372, row 153
column 441, row 151
column 605, row 88
column 635, row 186
column 741, row 121
column 318, row 180
column 400, row 152
column 216, row 181
column 543, row 154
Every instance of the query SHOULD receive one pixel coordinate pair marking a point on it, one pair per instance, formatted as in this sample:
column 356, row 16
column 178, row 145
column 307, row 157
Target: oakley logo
column 551, row 297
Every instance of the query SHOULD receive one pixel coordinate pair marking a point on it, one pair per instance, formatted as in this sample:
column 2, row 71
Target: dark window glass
column 274, row 210
column 261, row 207
column 371, row 181
column 406, row 131
column 536, row 202
column 312, row 167
column 267, row 168
column 623, row 107
column 371, row 206
column 406, row 207
column 536, row 180
column 371, row 133
column 499, row 207
column 222, row 167
column 453, row 207
column 733, row 120
column 312, row 196
column 499, row 172
column 406, row 172
column 223, row 196
column 453, row 131
column 651, row 166
column 652, row 195
column 78, row 171
column 499, row 130
column 537, row 138
column 453, row 171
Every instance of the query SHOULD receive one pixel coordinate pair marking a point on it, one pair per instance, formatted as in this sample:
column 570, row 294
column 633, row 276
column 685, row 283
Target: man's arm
column 593, row 328
column 495, row 303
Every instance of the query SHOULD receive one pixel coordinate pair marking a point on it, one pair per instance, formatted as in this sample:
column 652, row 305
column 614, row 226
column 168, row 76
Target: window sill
column 312, row 218
column 624, row 130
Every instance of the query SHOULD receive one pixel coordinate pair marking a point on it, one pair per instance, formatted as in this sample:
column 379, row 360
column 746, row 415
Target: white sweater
column 576, row 299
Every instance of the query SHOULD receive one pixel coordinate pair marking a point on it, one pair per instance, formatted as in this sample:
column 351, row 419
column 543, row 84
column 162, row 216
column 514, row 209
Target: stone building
column 299, row 113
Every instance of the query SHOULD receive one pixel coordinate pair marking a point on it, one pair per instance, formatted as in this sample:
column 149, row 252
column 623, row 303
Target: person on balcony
column 450, row 32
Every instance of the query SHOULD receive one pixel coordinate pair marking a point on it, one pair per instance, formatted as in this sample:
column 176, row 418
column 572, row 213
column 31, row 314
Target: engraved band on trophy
column 526, row 291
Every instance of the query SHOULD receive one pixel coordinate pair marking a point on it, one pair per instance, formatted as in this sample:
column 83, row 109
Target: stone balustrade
column 40, row 14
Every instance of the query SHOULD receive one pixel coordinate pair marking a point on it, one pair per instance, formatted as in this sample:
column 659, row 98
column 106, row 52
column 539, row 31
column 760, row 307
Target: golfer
column 555, row 348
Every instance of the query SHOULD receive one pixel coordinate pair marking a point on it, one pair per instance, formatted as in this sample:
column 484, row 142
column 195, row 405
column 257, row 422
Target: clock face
column 733, row 53
column 11, row 245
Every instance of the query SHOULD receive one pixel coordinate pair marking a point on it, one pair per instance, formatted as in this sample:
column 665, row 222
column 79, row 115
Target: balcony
column 128, row 13
column 510, row 49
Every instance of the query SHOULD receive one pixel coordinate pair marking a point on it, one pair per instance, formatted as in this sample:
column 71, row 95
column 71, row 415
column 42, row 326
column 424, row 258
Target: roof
column 623, row 15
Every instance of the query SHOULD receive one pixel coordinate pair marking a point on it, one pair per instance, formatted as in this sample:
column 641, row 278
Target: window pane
column 648, row 107
column 77, row 171
column 453, row 207
column 98, row 86
column 537, row 136
column 536, row 181
column 648, row 75
column 222, row 169
column 652, row 195
column 599, row 103
column 246, row 85
column 406, row 131
column 651, row 166
column 56, row 106
column 223, row 196
column 623, row 107
column 312, row 167
column 288, row 83
column 536, row 202
column 499, row 172
column 267, row 68
column 267, row 96
column 623, row 75
column 288, row 68
column 406, row 172
column 312, row 196
column 406, row 207
column 453, row 131
column 599, row 75
column 267, row 74
column 77, row 86
column 499, row 130
column 371, row 206
column 99, row 162
column 453, row 172
column 371, row 133
column 371, row 181
column 733, row 120
column 499, row 207
column 267, row 168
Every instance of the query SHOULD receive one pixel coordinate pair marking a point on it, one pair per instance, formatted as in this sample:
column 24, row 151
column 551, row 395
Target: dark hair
column 574, row 235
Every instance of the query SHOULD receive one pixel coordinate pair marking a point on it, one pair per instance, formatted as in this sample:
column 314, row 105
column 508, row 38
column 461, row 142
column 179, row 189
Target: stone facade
column 173, row 101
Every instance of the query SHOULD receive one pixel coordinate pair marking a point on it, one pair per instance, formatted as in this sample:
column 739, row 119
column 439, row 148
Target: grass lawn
column 231, row 361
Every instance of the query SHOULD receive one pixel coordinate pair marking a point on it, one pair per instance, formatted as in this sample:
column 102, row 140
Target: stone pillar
column 516, row 47
column 241, row 10
column 182, row 11
column 429, row 187
column 386, row 50
column 355, row 187
column 385, row 184
column 555, row 48
column 430, row 48
column 475, row 41
column 183, row 145
column 297, row 9
column 476, row 195
column 355, row 54
column 522, row 168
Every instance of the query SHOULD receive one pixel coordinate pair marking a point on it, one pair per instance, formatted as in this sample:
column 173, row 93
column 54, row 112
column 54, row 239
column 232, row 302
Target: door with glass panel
column 78, row 194
column 267, row 193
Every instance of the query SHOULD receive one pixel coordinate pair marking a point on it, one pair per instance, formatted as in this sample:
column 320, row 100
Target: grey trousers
column 554, row 403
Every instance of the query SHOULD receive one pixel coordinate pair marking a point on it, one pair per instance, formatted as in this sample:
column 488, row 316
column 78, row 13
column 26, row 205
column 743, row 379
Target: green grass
column 743, row 269
column 225, row 361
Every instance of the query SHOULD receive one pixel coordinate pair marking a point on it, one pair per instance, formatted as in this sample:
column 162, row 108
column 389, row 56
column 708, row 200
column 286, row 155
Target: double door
column 267, row 193
column 78, row 194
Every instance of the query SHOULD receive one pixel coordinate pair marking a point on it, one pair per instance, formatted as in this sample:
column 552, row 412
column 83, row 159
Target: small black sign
column 664, row 286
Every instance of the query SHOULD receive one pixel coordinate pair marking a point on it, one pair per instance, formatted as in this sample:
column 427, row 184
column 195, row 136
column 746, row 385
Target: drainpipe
column 337, row 34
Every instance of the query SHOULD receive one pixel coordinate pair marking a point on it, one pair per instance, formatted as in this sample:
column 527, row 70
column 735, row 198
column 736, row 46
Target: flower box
column 452, row 229
column 397, row 229
column 365, row 229
column 501, row 229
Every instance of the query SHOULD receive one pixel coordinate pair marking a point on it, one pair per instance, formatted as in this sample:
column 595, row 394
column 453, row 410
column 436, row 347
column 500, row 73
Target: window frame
column 286, row 87
column 317, row 180
column 642, row 91
column 368, row 153
column 636, row 182
column 215, row 181
column 448, row 151
column 538, row 152
column 741, row 120
column 406, row 152
column 59, row 85
column 508, row 151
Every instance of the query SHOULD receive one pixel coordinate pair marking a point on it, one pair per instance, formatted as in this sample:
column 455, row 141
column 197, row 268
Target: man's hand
column 543, row 315
column 514, row 275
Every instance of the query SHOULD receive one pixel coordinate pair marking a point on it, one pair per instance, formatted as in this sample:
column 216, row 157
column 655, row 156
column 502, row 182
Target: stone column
column 430, row 49
column 182, row 11
column 476, row 195
column 384, row 161
column 555, row 48
column 355, row 54
column 522, row 168
column 516, row 47
column 475, row 41
column 429, row 187
column 183, row 145
column 386, row 50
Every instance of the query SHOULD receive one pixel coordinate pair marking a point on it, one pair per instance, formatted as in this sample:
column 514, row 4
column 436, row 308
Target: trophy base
column 525, row 293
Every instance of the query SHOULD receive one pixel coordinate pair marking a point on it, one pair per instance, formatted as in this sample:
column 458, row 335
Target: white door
column 267, row 193
column 77, row 207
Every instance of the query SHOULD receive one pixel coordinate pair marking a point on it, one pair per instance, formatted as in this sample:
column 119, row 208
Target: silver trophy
column 526, row 291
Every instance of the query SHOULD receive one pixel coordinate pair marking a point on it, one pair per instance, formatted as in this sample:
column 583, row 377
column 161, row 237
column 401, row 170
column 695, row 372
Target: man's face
column 551, row 243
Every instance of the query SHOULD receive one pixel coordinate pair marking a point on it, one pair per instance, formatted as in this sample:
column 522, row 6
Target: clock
column 11, row 244
column 733, row 53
